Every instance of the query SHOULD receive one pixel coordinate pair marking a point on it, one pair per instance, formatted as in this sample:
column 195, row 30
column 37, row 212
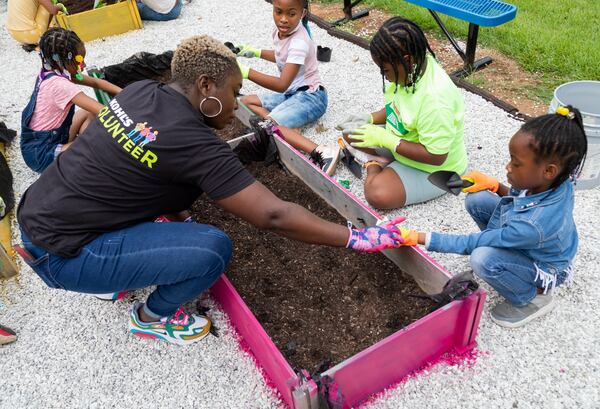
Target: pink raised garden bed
column 450, row 329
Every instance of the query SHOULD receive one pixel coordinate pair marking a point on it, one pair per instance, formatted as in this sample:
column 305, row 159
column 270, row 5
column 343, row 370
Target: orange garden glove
column 480, row 182
column 409, row 237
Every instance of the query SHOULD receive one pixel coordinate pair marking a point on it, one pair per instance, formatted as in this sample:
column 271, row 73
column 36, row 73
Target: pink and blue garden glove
column 375, row 238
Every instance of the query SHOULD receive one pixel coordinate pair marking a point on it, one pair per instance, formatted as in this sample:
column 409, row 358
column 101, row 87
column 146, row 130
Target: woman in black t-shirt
column 87, row 222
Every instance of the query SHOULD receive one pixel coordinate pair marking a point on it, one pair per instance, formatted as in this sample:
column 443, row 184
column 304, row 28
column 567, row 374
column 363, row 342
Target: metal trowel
column 449, row 181
column 348, row 159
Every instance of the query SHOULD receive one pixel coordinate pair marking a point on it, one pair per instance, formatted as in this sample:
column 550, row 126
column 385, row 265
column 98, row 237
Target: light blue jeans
column 295, row 109
column 181, row 259
column 508, row 271
column 146, row 13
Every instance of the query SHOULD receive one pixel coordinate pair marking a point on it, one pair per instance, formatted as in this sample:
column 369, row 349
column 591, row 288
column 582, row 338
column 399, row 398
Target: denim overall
column 37, row 147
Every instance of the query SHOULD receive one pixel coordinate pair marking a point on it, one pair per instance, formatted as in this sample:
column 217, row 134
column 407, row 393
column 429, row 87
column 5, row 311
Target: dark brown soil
column 233, row 130
column 317, row 303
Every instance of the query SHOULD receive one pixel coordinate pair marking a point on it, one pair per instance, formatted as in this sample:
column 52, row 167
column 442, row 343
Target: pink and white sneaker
column 180, row 328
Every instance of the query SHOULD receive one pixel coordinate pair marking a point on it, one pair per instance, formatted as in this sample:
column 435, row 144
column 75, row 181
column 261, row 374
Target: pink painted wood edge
column 423, row 253
column 407, row 350
column 275, row 365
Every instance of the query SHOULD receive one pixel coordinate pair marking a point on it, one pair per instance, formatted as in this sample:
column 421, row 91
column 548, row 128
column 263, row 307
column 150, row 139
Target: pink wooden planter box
column 452, row 328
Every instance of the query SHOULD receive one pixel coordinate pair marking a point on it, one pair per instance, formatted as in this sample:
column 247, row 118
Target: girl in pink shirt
column 49, row 123
column 299, row 96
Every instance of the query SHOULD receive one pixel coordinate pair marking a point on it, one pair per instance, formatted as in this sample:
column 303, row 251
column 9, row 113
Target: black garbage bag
column 7, row 197
column 6, row 134
column 140, row 66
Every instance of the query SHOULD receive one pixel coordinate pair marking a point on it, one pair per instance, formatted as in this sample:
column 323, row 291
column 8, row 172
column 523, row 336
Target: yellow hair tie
column 79, row 58
column 564, row 111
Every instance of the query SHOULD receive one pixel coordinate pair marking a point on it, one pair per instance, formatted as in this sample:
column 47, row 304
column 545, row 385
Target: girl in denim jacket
column 49, row 123
column 528, row 237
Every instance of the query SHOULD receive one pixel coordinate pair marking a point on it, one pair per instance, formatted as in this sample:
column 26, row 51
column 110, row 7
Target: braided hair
column 396, row 38
column 58, row 47
column 560, row 136
column 306, row 6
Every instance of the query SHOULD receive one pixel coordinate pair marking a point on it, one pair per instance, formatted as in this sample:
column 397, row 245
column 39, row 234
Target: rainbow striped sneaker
column 112, row 296
column 180, row 328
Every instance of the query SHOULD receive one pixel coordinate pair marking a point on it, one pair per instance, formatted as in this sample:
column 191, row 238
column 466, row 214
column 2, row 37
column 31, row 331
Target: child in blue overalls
column 49, row 123
column 528, row 237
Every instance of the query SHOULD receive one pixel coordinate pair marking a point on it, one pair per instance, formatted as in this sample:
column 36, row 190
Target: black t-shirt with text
column 148, row 153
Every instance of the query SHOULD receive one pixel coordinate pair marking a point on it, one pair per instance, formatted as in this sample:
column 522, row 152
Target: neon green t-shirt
column 433, row 116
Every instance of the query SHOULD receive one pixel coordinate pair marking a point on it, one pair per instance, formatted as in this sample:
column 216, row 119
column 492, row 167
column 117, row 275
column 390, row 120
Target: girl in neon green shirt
column 423, row 117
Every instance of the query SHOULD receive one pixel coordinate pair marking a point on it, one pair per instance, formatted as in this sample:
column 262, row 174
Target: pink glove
column 375, row 238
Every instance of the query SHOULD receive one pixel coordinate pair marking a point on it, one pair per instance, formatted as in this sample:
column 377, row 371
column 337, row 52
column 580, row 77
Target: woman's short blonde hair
column 202, row 55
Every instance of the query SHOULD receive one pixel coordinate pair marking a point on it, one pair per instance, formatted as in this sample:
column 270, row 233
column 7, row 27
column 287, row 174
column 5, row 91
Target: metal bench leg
column 468, row 57
column 470, row 65
column 448, row 35
column 348, row 16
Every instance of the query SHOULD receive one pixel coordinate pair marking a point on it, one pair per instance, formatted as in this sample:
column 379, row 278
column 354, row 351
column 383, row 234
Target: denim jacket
column 541, row 226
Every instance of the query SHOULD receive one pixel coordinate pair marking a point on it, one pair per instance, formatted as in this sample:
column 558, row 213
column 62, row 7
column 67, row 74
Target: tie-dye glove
column 375, row 238
column 248, row 51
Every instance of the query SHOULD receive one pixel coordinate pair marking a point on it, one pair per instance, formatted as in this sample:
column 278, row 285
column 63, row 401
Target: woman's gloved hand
column 369, row 136
column 354, row 121
column 480, row 182
column 248, row 51
column 375, row 238
column 244, row 69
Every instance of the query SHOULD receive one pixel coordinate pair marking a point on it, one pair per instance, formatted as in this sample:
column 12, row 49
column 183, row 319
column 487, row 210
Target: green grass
column 559, row 40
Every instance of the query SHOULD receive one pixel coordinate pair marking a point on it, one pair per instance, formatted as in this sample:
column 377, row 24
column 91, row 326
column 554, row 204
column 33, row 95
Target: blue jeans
column 146, row 13
column 182, row 259
column 508, row 271
column 295, row 109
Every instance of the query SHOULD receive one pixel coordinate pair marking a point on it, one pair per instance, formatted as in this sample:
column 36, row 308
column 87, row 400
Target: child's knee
column 477, row 201
column 481, row 261
column 380, row 196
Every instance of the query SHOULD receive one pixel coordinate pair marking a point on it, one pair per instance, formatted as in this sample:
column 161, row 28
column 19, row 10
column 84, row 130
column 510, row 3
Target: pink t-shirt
column 53, row 103
column 298, row 48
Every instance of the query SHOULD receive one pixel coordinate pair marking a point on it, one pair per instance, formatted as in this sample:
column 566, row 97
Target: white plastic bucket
column 585, row 96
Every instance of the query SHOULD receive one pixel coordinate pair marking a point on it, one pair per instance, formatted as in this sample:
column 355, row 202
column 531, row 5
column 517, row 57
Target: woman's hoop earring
column 211, row 116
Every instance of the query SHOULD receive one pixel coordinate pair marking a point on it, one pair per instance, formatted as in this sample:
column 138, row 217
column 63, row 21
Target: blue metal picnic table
column 477, row 13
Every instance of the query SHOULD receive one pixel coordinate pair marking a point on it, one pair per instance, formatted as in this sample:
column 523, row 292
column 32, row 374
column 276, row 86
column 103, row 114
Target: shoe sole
column 540, row 313
column 151, row 335
column 7, row 335
column 118, row 297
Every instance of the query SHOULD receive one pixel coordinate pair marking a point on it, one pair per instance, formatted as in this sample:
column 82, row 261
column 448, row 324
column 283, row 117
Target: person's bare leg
column 252, row 102
column 81, row 121
column 384, row 188
column 291, row 136
column 297, row 140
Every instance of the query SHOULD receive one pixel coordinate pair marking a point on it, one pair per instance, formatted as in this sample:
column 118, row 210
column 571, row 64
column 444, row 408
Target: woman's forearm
column 297, row 223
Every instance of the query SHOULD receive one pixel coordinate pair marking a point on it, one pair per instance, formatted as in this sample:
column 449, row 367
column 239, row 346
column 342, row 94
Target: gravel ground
column 74, row 351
